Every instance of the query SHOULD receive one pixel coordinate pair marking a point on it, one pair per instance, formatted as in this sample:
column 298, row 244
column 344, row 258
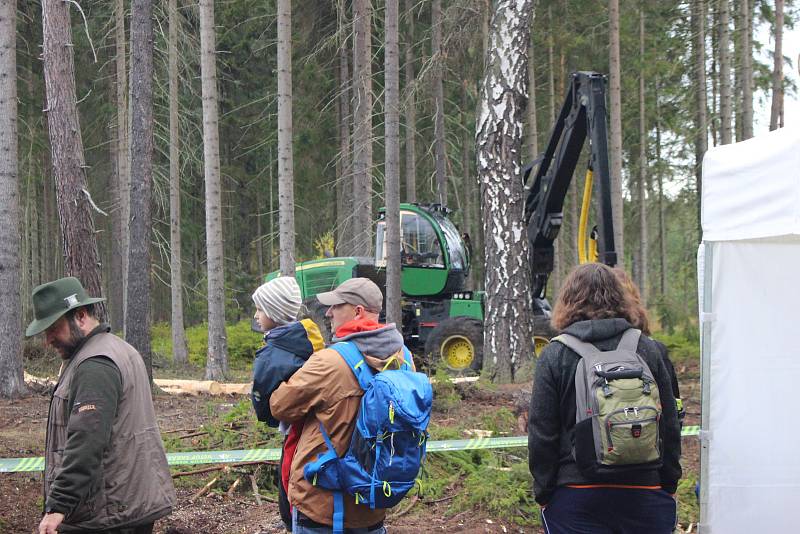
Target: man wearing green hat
column 105, row 466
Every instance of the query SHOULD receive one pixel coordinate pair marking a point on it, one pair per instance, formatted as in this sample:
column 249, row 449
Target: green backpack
column 618, row 408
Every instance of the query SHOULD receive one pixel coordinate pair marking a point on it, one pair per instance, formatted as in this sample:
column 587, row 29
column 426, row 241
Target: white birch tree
column 507, row 323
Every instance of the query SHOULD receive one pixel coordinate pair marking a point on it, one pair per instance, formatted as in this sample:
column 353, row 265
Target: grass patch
column 242, row 344
column 682, row 346
column 495, row 482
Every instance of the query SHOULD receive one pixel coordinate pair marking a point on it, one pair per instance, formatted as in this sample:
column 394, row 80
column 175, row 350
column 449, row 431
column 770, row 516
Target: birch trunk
column 776, row 114
column 72, row 195
column 12, row 384
column 180, row 351
column 410, row 108
column 507, row 324
column 725, row 97
column 362, row 129
column 392, row 158
column 217, row 359
column 615, row 103
column 285, row 157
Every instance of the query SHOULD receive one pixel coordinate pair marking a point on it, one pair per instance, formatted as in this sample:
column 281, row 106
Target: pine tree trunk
column 746, row 11
column 439, row 149
column 285, row 157
column 410, row 108
column 121, row 215
column 217, row 359
column 362, row 129
column 180, row 352
column 776, row 115
column 551, row 69
column 532, row 125
column 12, row 384
column 643, row 237
column 701, row 125
column 392, row 169
column 137, row 310
column 662, row 229
column 469, row 218
column 344, row 182
column 74, row 202
column 507, row 324
column 725, row 97
column 615, row 103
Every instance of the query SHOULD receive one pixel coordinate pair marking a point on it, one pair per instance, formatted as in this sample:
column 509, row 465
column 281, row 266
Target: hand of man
column 50, row 522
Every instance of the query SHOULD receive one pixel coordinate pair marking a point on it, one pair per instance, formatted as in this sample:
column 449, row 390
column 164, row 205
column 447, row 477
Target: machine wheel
column 542, row 333
column 316, row 312
column 457, row 344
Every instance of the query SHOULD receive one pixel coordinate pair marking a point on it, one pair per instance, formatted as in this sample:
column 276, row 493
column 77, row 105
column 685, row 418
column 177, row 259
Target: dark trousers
column 609, row 511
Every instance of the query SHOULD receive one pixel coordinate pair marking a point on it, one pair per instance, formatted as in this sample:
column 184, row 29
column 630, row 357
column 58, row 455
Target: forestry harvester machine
column 442, row 319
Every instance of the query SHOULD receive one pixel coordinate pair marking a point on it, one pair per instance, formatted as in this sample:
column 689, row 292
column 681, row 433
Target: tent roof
column 751, row 189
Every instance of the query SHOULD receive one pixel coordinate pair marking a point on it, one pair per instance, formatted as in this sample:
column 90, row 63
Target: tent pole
column 706, row 256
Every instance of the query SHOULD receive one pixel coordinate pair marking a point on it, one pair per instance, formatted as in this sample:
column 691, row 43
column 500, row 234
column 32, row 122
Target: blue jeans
column 301, row 529
column 609, row 511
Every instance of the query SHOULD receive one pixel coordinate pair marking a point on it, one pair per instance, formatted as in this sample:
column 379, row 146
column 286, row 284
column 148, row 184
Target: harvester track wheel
column 456, row 344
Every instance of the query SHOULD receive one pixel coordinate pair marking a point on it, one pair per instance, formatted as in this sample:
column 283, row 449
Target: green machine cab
column 442, row 319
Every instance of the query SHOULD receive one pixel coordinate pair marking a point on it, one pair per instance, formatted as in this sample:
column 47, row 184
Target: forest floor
column 470, row 491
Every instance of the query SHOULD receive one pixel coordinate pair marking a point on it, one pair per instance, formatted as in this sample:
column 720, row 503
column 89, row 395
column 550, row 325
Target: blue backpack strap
column 355, row 360
column 338, row 496
column 407, row 357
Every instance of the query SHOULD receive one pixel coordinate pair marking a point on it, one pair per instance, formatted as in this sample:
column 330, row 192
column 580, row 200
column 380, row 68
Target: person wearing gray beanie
column 278, row 301
column 288, row 343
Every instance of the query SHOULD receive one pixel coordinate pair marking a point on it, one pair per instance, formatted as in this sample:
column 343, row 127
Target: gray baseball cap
column 356, row 291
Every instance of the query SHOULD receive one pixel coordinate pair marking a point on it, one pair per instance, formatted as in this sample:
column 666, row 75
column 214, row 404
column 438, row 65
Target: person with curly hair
column 594, row 307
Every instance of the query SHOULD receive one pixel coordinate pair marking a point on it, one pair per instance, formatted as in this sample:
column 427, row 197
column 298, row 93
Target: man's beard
column 67, row 348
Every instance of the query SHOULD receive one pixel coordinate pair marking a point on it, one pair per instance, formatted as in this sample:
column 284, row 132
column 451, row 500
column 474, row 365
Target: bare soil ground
column 22, row 425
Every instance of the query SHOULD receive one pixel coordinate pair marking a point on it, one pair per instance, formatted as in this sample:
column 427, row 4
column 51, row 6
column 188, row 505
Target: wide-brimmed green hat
column 54, row 299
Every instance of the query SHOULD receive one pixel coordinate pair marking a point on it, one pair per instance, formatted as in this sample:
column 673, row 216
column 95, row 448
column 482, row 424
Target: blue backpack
column 388, row 444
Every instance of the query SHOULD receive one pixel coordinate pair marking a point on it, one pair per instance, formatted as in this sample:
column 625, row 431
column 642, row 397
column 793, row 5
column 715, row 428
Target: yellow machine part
column 586, row 253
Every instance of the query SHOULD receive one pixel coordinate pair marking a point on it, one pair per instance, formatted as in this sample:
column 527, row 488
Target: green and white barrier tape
column 16, row 465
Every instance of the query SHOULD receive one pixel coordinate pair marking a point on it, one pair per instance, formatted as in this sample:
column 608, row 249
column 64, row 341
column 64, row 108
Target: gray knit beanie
column 279, row 299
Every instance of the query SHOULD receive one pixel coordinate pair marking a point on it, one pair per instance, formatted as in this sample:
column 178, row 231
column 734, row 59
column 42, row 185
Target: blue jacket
column 286, row 348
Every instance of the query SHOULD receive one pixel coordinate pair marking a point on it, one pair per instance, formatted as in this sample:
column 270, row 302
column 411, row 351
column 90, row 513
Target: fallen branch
column 233, row 487
column 203, row 490
column 439, row 500
column 221, row 467
column 194, row 434
column 256, row 494
column 405, row 510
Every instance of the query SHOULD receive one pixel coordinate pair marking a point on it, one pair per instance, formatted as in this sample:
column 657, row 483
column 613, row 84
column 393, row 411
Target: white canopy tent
column 750, row 317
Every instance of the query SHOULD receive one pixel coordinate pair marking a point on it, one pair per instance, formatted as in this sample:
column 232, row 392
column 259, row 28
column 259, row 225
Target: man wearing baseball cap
column 105, row 466
column 325, row 391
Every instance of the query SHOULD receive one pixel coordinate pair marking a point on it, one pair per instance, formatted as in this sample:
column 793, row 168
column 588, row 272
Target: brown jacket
column 134, row 485
column 326, row 391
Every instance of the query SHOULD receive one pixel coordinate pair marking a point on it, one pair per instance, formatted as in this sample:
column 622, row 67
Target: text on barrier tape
column 16, row 465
